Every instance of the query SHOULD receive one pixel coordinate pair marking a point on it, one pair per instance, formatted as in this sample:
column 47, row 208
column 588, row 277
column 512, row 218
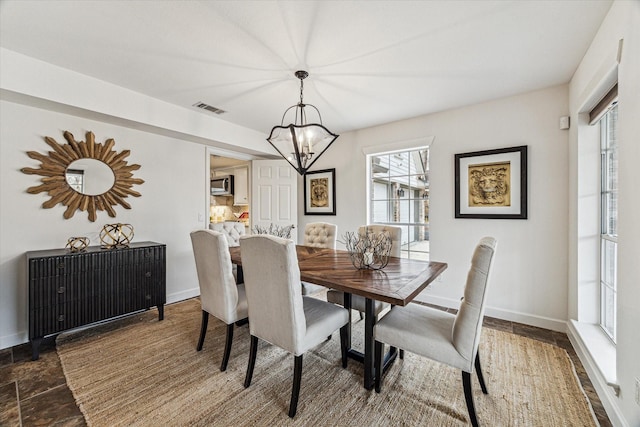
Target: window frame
column 404, row 197
column 607, row 279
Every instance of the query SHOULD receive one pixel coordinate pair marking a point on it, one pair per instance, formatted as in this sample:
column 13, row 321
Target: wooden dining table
column 398, row 284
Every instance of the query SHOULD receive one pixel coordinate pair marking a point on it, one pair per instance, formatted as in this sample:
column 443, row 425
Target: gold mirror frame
column 54, row 166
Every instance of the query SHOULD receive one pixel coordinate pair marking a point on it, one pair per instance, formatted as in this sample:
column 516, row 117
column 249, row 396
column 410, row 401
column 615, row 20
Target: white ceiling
column 370, row 62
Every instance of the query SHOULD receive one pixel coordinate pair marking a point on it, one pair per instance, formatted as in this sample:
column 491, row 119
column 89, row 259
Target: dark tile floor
column 36, row 393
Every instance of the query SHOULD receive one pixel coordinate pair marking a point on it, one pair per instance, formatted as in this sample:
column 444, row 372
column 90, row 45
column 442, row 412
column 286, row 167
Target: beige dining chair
column 357, row 301
column 279, row 313
column 441, row 336
column 318, row 235
column 219, row 294
column 232, row 230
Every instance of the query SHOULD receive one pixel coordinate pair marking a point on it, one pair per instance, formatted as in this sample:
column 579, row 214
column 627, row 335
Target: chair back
column 394, row 232
column 320, row 235
column 231, row 230
column 468, row 323
column 218, row 292
column 274, row 294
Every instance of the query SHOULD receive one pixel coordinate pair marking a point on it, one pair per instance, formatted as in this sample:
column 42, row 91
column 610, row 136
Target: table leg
column 369, row 362
column 239, row 274
column 347, row 305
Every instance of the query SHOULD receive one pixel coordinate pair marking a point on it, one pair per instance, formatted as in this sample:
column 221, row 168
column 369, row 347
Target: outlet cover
column 638, row 391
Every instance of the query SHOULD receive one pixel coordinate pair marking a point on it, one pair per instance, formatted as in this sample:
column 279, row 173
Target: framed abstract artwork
column 491, row 184
column 320, row 192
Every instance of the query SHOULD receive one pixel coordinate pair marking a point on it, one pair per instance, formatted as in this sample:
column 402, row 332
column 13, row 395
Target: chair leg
column 479, row 373
column 379, row 347
column 466, row 383
column 203, row 329
column 253, row 350
column 227, row 347
column 344, row 344
column 401, row 354
column 361, row 315
column 295, row 390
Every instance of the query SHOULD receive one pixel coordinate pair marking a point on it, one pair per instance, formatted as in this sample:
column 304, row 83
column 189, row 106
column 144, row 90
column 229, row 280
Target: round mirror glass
column 90, row 176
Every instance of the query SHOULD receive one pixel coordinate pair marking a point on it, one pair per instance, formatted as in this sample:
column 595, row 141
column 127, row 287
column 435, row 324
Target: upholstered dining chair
column 279, row 313
column 441, row 336
column 232, row 230
column 219, row 294
column 318, row 235
column 357, row 301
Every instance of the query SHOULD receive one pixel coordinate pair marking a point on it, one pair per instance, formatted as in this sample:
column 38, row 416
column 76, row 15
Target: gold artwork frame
column 491, row 184
column 53, row 169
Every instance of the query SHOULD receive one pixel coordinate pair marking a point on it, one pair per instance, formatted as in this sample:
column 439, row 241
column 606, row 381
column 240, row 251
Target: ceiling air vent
column 209, row 108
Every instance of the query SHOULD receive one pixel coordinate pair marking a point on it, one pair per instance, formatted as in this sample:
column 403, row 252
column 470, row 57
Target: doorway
column 229, row 202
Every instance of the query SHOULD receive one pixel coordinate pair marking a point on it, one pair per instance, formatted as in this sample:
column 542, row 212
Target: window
column 608, row 220
column 399, row 195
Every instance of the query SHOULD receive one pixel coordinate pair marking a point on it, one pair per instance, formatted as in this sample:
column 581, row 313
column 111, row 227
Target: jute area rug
column 142, row 372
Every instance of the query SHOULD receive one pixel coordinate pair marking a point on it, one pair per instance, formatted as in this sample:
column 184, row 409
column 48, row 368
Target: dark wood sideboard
column 68, row 290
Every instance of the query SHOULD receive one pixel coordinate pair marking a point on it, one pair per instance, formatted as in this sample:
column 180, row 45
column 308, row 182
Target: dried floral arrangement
column 274, row 230
column 368, row 250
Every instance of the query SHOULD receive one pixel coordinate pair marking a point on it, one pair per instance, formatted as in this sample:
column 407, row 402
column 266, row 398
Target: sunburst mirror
column 84, row 175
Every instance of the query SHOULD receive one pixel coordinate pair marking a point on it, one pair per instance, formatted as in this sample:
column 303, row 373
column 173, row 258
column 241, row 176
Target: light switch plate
column 638, row 391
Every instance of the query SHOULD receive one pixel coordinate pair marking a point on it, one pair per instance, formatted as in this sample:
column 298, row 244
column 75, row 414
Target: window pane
column 418, row 242
column 399, row 164
column 608, row 310
column 380, row 211
column 414, row 163
column 612, row 169
column 380, row 190
column 380, row 166
column 610, row 214
column 399, row 211
column 609, row 264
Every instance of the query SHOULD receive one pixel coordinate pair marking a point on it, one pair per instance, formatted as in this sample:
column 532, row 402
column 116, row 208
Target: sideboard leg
column 35, row 348
column 161, row 312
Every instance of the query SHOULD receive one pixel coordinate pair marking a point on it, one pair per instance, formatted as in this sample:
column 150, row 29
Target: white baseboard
column 183, row 295
column 9, row 341
column 513, row 316
column 605, row 393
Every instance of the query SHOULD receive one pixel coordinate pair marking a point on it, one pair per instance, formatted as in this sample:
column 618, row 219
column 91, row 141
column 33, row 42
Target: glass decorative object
column 368, row 250
column 77, row 244
column 114, row 236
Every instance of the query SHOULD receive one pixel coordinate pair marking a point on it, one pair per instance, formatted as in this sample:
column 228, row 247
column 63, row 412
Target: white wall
column 530, row 271
column 173, row 196
column 622, row 22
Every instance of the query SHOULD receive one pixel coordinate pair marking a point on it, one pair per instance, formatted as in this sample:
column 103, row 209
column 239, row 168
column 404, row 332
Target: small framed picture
column 320, row 192
column 491, row 184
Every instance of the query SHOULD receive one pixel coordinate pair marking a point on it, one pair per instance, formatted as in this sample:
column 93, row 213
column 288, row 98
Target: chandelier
column 301, row 143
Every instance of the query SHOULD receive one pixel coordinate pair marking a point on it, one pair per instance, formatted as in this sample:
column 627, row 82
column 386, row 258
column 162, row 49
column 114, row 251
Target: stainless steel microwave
column 222, row 185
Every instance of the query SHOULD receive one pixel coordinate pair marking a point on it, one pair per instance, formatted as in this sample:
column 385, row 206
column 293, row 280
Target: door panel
column 275, row 184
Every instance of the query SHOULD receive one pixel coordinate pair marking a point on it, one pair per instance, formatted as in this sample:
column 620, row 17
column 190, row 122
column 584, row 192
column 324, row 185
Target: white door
column 274, row 194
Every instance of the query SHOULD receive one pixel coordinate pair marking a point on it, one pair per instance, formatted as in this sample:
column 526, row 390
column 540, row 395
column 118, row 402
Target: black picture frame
column 320, row 192
column 503, row 172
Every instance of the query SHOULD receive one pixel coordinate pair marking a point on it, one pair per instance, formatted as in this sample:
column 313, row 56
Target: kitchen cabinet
column 241, row 186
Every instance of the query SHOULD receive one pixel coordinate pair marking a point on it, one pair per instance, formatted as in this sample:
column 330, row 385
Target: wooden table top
column 398, row 283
